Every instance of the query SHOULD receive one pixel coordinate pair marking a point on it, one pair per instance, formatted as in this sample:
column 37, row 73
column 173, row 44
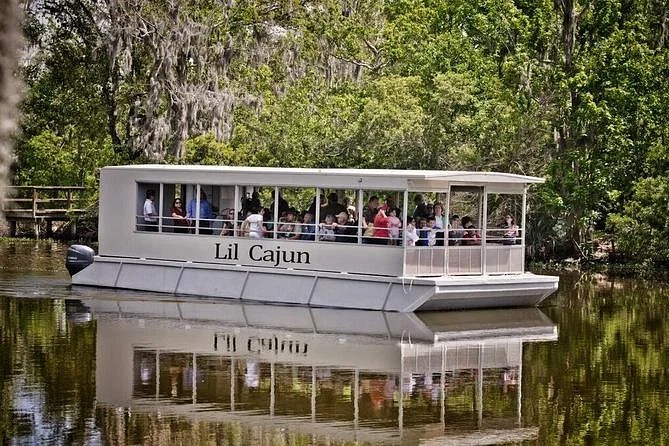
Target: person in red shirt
column 381, row 228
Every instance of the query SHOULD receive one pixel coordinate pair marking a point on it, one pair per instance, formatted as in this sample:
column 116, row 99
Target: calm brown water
column 85, row 366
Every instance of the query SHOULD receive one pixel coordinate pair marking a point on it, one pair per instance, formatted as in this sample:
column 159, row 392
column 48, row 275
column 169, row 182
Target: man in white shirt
column 150, row 214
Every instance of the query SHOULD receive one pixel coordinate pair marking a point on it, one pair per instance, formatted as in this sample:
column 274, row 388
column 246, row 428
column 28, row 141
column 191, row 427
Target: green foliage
column 205, row 149
column 642, row 229
column 573, row 91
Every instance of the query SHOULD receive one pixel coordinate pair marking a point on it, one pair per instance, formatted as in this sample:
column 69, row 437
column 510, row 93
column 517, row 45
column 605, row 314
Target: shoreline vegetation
column 573, row 92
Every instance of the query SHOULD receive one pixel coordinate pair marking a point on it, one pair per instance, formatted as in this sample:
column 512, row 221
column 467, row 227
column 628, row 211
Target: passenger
column 471, row 235
column 245, row 225
column 352, row 216
column 206, row 212
column 267, row 218
column 420, row 211
column 350, row 208
column 423, row 232
column 432, row 233
column 370, row 210
column 439, row 223
column 390, row 204
column 312, row 206
column 511, row 230
column 455, row 232
column 394, row 226
column 326, row 229
column 333, row 206
column 289, row 229
column 228, row 228
column 150, row 214
column 179, row 220
column 283, row 205
column 380, row 228
column 439, row 217
column 344, row 231
column 412, row 234
column 249, row 204
column 256, row 225
column 307, row 228
column 430, row 210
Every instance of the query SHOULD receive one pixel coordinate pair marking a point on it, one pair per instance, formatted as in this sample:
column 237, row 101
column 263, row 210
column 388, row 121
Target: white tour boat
column 355, row 249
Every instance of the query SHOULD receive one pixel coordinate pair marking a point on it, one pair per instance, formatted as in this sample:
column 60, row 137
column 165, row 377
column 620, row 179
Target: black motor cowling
column 78, row 258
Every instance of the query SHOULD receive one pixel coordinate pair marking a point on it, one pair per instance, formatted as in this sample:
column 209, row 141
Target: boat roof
column 415, row 175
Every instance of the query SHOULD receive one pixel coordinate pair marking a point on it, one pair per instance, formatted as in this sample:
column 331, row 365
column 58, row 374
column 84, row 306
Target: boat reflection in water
column 330, row 375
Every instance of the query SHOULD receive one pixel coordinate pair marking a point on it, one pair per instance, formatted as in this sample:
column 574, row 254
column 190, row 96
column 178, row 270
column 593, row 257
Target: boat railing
column 321, row 232
column 445, row 252
column 463, row 254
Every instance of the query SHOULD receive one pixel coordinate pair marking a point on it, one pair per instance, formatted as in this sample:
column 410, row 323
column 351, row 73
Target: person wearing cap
column 344, row 231
column 289, row 229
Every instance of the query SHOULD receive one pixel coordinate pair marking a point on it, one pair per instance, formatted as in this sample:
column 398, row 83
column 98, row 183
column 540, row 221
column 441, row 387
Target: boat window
column 382, row 228
column 147, row 207
column 465, row 215
column 504, row 219
column 173, row 216
column 293, row 206
column 202, row 207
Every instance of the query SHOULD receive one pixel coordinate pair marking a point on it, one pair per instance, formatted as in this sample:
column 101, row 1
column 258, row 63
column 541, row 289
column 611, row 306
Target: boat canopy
column 416, row 180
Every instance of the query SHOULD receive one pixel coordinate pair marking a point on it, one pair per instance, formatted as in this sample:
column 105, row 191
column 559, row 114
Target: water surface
column 84, row 366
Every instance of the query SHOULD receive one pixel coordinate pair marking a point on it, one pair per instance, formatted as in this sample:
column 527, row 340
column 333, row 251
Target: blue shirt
column 205, row 209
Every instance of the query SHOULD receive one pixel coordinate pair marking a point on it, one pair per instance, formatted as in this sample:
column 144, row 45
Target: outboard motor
column 78, row 258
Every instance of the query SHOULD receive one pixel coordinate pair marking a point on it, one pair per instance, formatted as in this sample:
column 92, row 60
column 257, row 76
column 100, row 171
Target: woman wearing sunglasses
column 179, row 220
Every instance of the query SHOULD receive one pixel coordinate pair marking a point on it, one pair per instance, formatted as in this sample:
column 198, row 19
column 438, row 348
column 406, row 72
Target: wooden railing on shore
column 43, row 204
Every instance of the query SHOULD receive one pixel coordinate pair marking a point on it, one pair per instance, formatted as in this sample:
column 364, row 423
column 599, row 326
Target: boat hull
column 317, row 289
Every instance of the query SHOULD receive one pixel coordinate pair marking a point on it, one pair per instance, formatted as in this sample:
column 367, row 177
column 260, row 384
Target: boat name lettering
column 258, row 253
column 273, row 344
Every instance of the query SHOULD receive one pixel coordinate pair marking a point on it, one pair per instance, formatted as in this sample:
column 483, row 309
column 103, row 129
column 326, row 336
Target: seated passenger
column 511, row 231
column 412, row 234
column 228, row 227
column 432, row 232
column 344, row 231
column 455, row 232
column 394, row 226
column 423, row 232
column 471, row 235
column 326, row 229
column 289, row 229
column 307, row 228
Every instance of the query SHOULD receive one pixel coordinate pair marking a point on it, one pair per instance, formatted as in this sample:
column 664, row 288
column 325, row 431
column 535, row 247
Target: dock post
column 13, row 225
column 49, row 228
column 73, row 228
column 36, row 229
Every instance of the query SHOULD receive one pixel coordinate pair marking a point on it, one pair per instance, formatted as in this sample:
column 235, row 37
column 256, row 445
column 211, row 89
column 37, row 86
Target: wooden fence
column 43, row 204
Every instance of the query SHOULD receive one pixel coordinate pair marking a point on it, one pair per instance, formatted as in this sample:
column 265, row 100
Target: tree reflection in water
column 603, row 381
